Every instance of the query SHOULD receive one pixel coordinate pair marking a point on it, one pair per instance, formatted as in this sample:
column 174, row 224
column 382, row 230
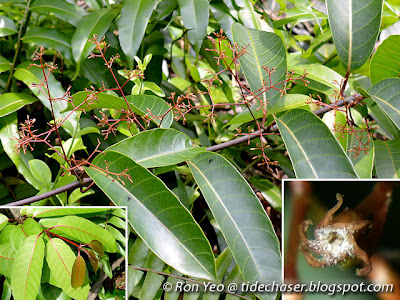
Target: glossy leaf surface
column 238, row 212
column 386, row 93
column 3, row 221
column 387, row 159
column 7, row 26
column 152, row 207
column 135, row 15
column 10, row 102
column 285, row 102
column 157, row 147
column 97, row 246
column 313, row 150
column 5, row 65
column 138, row 103
column 355, row 26
column 195, row 15
column 43, row 212
column 27, row 268
column 8, row 130
column 386, row 60
column 85, row 231
column 95, row 23
column 78, row 272
column 265, row 49
column 270, row 192
column 49, row 38
column 62, row 9
column 320, row 77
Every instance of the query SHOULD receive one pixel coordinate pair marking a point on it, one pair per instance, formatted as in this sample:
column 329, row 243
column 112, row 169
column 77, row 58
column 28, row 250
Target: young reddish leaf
column 94, row 261
column 61, row 258
column 97, row 246
column 78, row 272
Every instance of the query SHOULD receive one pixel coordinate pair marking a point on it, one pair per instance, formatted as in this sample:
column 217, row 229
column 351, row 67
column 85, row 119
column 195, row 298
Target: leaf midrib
column 228, row 214
column 162, row 224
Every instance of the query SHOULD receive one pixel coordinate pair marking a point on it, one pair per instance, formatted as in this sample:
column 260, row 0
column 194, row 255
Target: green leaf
column 31, row 227
column 10, row 102
column 30, row 75
column 355, row 26
column 76, row 195
column 156, row 214
column 60, row 259
column 313, row 150
column 84, row 231
column 8, row 132
column 61, row 9
column 7, row 26
column 363, row 162
column 264, row 49
column 45, row 212
column 195, row 15
column 386, row 62
column 41, row 172
column 387, row 158
column 298, row 15
column 7, row 254
column 269, row 191
column 321, row 78
column 140, row 104
column 97, row 23
column 385, row 123
column 78, row 274
column 285, row 102
column 157, row 147
column 135, row 15
column 3, row 221
column 27, row 268
column 51, row 292
column 17, row 236
column 49, row 38
column 5, row 65
column 386, row 93
column 223, row 16
column 241, row 217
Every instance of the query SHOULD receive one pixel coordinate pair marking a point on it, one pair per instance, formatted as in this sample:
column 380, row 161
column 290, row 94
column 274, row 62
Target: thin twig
column 68, row 187
column 348, row 99
column 87, row 181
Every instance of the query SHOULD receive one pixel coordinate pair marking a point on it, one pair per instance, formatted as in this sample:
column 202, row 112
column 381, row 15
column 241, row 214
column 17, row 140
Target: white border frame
column 284, row 180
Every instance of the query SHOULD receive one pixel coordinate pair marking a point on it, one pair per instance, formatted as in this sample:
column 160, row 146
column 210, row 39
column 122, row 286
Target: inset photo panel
column 63, row 253
column 341, row 238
